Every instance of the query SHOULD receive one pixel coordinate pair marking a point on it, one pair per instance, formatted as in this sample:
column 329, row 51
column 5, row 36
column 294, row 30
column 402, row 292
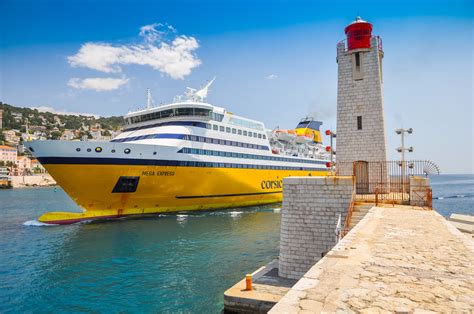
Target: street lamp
column 402, row 149
column 332, row 135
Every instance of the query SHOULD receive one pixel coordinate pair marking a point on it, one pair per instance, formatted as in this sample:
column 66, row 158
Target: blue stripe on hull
column 161, row 162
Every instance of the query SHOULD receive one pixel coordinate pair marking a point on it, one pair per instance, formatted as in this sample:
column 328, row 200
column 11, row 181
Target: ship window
column 89, row 149
column 221, row 128
column 264, row 136
column 215, row 127
column 126, row 185
column 359, row 122
column 259, row 135
column 127, row 150
column 254, row 134
column 227, row 129
column 234, row 131
column 208, row 126
column 239, row 132
column 78, row 149
column 245, row 133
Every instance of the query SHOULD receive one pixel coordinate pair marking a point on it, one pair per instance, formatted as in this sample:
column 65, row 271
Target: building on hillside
column 96, row 134
column 57, row 121
column 17, row 116
column 37, row 167
column 67, row 135
column 8, row 154
column 11, row 137
column 23, row 166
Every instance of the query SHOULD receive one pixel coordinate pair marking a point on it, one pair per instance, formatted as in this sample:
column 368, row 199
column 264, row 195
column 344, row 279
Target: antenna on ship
column 149, row 100
column 202, row 93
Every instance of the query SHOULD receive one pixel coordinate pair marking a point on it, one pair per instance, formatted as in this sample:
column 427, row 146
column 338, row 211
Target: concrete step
column 465, row 219
column 358, row 216
column 463, row 227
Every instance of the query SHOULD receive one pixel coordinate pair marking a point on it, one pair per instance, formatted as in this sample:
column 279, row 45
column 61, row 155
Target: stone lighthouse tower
column 360, row 114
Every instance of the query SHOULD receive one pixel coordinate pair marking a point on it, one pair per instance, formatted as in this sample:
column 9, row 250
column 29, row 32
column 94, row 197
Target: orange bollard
column 248, row 282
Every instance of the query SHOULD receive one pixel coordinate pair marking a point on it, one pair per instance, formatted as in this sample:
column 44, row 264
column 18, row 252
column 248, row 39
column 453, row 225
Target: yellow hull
column 164, row 189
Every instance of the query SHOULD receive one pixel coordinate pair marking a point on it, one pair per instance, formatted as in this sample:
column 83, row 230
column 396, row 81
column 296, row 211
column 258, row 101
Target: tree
column 55, row 135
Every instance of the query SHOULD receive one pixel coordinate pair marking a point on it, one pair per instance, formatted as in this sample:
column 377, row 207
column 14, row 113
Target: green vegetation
column 15, row 118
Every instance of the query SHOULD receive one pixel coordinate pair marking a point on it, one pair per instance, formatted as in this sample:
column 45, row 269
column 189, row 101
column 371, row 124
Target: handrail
column 348, row 219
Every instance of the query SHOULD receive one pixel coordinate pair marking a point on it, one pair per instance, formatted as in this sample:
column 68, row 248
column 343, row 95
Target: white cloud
column 271, row 77
column 98, row 84
column 64, row 112
column 174, row 57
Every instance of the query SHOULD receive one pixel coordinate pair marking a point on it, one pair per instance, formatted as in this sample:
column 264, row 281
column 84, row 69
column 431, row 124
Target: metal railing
column 384, row 181
column 379, row 42
column 347, row 221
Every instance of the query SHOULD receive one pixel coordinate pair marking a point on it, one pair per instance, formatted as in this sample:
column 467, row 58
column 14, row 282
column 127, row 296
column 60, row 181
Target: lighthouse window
column 359, row 122
column 357, row 59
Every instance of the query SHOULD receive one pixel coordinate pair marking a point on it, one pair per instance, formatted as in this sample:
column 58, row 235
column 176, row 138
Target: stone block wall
column 309, row 215
column 419, row 191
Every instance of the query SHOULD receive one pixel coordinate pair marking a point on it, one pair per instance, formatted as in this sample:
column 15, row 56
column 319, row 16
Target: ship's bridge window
column 314, row 125
column 217, row 116
column 176, row 112
column 246, row 123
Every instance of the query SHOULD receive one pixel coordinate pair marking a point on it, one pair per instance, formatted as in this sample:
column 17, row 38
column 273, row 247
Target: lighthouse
column 360, row 113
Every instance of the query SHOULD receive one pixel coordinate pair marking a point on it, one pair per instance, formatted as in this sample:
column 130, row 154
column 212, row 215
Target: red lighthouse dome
column 358, row 34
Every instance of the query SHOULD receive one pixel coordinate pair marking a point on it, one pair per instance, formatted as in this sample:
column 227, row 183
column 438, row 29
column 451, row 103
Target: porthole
column 127, row 150
column 113, row 150
column 31, row 149
column 98, row 149
column 154, row 153
column 78, row 149
column 89, row 149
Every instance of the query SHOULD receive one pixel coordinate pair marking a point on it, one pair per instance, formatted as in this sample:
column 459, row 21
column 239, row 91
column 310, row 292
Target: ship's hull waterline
column 163, row 189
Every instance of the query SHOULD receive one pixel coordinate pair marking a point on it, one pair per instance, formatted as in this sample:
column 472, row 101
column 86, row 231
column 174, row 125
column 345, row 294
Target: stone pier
column 397, row 259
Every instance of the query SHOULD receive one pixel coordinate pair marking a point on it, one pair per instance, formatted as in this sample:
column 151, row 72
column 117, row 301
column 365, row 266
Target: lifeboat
column 285, row 135
column 306, row 138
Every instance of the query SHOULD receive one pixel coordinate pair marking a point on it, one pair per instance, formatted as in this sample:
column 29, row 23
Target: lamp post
column 402, row 149
column 332, row 136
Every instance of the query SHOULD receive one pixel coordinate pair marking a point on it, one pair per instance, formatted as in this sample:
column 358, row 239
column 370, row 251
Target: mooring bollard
column 248, row 282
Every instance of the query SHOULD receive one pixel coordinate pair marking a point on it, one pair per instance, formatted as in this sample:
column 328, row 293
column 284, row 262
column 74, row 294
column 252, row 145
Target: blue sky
column 274, row 61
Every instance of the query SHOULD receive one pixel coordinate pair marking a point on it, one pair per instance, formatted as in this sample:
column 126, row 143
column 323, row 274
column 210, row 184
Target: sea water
column 164, row 263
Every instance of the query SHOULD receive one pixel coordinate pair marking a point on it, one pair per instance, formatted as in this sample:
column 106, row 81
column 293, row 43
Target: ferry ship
column 183, row 156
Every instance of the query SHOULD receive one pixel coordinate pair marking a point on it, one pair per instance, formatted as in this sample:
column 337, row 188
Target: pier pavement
column 397, row 259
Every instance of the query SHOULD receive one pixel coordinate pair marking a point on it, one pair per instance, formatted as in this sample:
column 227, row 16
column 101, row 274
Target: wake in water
column 36, row 223
column 235, row 214
column 452, row 196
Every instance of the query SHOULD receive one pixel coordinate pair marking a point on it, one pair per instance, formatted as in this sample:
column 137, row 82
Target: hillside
column 54, row 126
